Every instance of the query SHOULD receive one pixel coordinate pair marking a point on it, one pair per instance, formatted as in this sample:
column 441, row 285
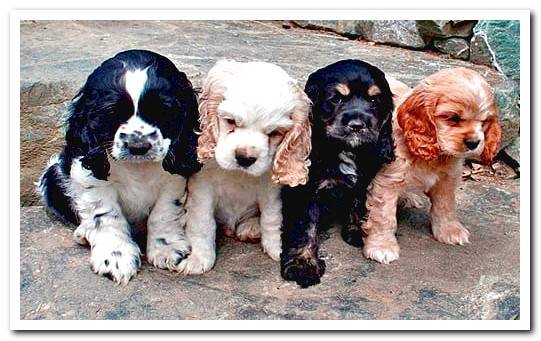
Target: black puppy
column 351, row 141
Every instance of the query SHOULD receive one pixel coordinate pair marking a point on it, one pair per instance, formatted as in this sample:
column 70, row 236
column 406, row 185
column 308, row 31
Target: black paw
column 353, row 235
column 306, row 271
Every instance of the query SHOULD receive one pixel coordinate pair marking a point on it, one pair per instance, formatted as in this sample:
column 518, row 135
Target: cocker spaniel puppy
column 450, row 116
column 352, row 139
column 130, row 144
column 255, row 137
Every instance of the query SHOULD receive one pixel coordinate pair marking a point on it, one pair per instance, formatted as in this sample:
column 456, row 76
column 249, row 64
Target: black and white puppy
column 130, row 144
column 351, row 140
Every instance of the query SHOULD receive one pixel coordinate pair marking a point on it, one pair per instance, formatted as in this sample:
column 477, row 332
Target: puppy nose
column 472, row 144
column 243, row 160
column 136, row 143
column 356, row 125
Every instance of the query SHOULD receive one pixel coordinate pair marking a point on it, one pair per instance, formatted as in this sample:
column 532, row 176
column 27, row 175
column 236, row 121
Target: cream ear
column 291, row 160
column 212, row 94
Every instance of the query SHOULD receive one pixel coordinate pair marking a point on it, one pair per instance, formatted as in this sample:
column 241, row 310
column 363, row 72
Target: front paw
column 196, row 264
column 165, row 254
column 453, row 233
column 116, row 258
column 353, row 235
column 272, row 247
column 382, row 250
column 304, row 270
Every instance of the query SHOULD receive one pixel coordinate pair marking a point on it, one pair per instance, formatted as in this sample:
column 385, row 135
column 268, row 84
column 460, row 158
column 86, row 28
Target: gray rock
column 498, row 44
column 347, row 28
column 429, row 281
column 513, row 150
column 392, row 32
column 430, row 29
column 455, row 47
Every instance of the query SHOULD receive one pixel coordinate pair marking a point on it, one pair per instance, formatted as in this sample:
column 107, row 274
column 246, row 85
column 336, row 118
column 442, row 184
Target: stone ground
column 430, row 281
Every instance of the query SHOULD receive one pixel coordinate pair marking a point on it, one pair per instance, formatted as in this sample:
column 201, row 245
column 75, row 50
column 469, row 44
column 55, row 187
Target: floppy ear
column 291, row 161
column 493, row 135
column 86, row 136
column 385, row 144
column 182, row 156
column 415, row 118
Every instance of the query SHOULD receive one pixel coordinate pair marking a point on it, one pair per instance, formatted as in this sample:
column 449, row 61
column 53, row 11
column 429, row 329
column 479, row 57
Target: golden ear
column 291, row 161
column 493, row 135
column 415, row 118
column 208, row 119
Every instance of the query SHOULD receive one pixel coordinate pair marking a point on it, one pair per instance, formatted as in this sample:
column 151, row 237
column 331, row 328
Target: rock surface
column 445, row 28
column 455, row 47
column 57, row 56
column 429, row 281
column 497, row 43
column 392, row 32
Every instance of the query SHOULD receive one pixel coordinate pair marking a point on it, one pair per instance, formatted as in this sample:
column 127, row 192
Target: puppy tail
column 52, row 188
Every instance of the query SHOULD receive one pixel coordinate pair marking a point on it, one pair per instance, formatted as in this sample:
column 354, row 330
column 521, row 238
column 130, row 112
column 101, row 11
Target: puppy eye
column 230, row 121
column 276, row 133
column 336, row 99
column 454, row 118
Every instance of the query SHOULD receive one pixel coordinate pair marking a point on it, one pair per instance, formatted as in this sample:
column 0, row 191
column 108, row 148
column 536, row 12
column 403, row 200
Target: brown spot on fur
column 342, row 89
column 373, row 90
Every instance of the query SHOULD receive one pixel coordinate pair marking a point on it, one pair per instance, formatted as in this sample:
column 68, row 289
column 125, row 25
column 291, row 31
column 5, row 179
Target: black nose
column 472, row 144
column 244, row 161
column 138, row 148
column 356, row 125
column 137, row 143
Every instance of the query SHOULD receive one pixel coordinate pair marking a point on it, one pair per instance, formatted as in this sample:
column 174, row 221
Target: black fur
column 102, row 105
column 343, row 163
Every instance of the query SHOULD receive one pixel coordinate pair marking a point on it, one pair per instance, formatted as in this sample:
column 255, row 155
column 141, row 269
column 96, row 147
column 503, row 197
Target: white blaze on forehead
column 135, row 84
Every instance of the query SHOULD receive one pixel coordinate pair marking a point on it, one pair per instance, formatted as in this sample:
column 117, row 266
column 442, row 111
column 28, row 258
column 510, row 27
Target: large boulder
column 430, row 29
column 347, row 28
column 402, row 33
column 455, row 47
column 497, row 43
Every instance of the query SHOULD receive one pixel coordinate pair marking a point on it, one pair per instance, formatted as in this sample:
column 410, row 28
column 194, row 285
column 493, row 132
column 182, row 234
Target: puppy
column 352, row 139
column 130, row 144
column 255, row 137
column 450, row 116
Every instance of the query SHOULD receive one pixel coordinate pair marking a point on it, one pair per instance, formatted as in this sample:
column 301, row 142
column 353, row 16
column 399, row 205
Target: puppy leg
column 380, row 243
column 166, row 243
column 200, row 228
column 113, row 253
column 352, row 232
column 300, row 260
column 445, row 225
column 270, row 206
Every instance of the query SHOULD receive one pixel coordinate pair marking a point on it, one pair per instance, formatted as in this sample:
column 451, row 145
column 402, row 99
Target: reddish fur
column 493, row 134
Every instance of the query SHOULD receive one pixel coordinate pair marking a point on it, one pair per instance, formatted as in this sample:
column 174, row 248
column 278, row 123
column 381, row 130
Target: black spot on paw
column 352, row 235
column 109, row 276
column 180, row 256
column 106, row 262
column 116, row 254
column 116, row 265
column 177, row 202
column 305, row 271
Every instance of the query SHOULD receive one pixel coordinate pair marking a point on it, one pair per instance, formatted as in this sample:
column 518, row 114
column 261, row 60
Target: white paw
column 453, row 233
column 272, row 247
column 196, row 264
column 382, row 251
column 79, row 235
column 166, row 254
column 249, row 230
column 115, row 257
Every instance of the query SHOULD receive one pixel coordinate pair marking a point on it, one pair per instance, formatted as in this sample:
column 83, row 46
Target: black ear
column 385, row 143
column 96, row 161
column 312, row 90
column 182, row 156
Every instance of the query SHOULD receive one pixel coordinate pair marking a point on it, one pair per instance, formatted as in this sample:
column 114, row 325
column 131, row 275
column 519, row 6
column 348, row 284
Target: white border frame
column 525, row 253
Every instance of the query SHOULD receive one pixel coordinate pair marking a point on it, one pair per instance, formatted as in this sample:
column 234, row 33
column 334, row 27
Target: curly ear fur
column 291, row 160
column 493, row 134
column 415, row 118
column 212, row 94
